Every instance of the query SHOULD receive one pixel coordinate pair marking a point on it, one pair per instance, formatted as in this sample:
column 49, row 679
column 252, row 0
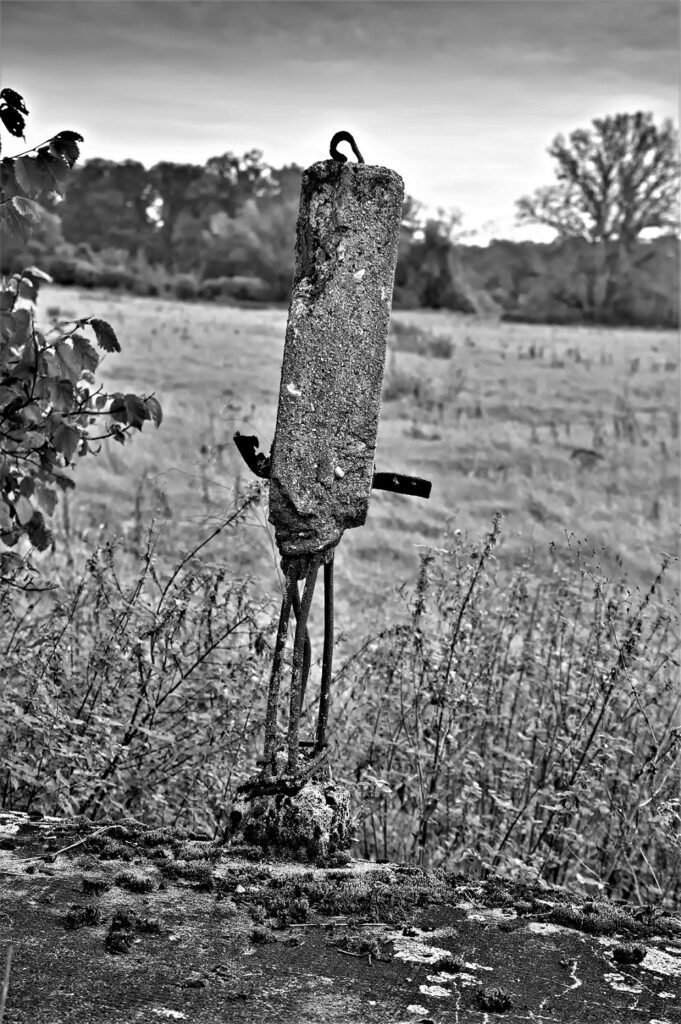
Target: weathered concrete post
column 321, row 467
column 334, row 356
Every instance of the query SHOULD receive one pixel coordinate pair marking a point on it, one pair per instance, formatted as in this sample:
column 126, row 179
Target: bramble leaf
column 27, row 290
column 26, row 208
column 13, row 99
column 9, row 395
column 155, row 411
column 13, row 121
column 24, row 510
column 65, row 145
column 10, row 561
column 69, row 136
column 89, row 360
column 106, row 336
column 29, row 359
column 137, row 411
column 32, row 414
column 37, row 276
column 61, row 393
column 26, row 174
column 16, row 224
column 69, row 365
column 54, row 170
column 38, row 533
column 66, row 439
column 22, row 320
column 47, row 499
column 117, row 409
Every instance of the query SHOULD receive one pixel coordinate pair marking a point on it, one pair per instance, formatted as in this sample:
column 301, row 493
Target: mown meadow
column 506, row 695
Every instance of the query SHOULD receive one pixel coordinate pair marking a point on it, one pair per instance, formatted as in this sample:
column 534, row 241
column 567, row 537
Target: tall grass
column 522, row 725
column 530, row 728
column 133, row 695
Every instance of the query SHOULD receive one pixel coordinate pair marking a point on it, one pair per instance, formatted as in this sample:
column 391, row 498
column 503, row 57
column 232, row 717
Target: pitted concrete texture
column 332, row 371
column 135, row 924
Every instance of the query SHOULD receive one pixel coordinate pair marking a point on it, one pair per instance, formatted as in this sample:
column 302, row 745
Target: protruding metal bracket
column 398, row 483
column 257, row 462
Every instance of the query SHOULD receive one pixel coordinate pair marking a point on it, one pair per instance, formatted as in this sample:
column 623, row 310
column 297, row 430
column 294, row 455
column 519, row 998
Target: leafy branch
column 49, row 400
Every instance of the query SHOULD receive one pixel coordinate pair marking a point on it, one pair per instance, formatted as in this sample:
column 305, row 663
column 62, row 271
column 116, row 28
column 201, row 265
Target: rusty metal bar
column 327, row 658
column 256, row 461
column 298, row 665
column 398, row 483
column 275, row 677
column 307, row 649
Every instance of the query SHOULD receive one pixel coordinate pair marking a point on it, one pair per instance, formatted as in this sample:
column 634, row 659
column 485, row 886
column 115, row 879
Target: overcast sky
column 462, row 98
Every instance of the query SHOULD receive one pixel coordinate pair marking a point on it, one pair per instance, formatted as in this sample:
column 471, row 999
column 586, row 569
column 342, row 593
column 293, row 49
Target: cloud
column 463, row 97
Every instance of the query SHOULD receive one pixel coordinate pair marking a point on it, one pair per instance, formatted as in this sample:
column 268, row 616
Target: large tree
column 170, row 183
column 230, row 180
column 106, row 205
column 186, row 196
column 616, row 180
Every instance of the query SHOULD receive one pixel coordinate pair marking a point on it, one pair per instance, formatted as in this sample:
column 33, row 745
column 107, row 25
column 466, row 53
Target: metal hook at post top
column 340, row 157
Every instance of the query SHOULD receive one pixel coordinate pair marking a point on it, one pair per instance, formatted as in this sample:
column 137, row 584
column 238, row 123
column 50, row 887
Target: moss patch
column 311, row 825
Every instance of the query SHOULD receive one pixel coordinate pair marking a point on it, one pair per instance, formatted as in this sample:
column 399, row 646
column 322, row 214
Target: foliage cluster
column 51, row 410
column 180, row 228
column 521, row 727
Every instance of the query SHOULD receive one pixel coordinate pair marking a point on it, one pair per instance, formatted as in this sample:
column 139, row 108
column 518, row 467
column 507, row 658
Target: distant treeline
column 226, row 230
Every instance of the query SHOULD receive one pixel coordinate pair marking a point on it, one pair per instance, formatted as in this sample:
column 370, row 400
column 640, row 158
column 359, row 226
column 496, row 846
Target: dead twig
column 346, row 952
column 51, row 857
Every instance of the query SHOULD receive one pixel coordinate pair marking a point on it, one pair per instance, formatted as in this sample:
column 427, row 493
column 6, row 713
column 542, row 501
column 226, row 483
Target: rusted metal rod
column 327, row 658
column 398, row 483
column 291, row 585
column 298, row 663
column 307, row 650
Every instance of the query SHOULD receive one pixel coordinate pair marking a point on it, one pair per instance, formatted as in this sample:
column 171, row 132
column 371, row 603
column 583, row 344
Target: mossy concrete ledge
column 116, row 921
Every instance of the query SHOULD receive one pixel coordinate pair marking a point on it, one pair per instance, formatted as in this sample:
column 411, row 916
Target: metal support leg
column 327, row 658
column 307, row 650
column 298, row 664
column 275, row 677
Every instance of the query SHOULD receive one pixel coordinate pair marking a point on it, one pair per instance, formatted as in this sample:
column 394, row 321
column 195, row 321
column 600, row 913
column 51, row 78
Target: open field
column 506, row 423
